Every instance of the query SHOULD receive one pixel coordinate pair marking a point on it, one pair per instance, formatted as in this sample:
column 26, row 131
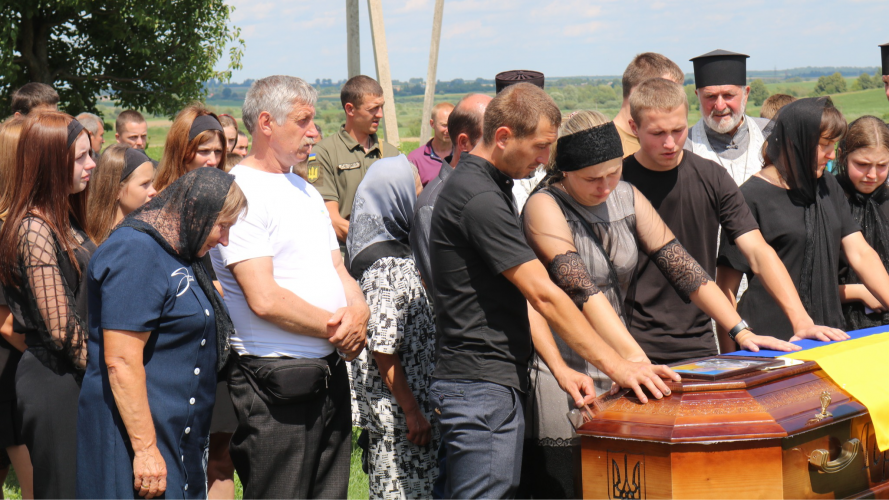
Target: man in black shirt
column 694, row 196
column 483, row 271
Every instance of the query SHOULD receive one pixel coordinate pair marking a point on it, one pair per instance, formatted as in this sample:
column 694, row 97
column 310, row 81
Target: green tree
column 693, row 102
column 758, row 92
column 153, row 56
column 833, row 84
column 863, row 82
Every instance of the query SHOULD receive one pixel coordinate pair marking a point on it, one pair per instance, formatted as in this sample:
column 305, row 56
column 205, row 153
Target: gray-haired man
column 294, row 306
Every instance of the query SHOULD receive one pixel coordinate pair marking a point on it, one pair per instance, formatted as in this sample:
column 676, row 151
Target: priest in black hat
column 725, row 133
column 507, row 78
column 522, row 188
column 884, row 49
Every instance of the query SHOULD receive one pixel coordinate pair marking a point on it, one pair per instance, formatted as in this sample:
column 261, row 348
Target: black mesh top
column 49, row 303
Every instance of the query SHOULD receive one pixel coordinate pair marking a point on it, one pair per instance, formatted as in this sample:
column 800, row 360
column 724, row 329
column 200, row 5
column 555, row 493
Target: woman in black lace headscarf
column 159, row 331
column 804, row 215
column 862, row 166
column 44, row 253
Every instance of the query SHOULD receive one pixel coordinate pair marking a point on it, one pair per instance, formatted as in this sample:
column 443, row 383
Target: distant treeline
column 572, row 91
column 811, row 73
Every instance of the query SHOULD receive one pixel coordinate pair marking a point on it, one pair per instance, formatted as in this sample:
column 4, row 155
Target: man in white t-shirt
column 296, row 311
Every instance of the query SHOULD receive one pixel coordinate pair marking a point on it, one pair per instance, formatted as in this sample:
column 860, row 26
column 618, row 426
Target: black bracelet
column 738, row 329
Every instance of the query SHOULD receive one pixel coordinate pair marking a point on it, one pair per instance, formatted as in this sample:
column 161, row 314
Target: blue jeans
column 482, row 432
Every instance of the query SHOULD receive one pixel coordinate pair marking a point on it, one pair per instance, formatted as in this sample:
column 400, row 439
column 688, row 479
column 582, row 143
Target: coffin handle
column 820, row 459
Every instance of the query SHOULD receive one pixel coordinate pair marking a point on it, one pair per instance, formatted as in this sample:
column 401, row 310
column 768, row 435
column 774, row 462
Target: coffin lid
column 759, row 405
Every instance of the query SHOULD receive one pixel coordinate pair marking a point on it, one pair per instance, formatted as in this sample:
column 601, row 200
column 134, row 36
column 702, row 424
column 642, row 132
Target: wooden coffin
column 750, row 436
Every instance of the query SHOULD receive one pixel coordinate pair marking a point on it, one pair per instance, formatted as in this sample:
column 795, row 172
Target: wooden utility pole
column 429, row 99
column 381, row 58
column 353, row 38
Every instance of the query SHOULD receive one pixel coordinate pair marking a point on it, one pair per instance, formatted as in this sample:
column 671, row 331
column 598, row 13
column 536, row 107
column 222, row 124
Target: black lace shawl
column 867, row 213
column 793, row 149
column 180, row 219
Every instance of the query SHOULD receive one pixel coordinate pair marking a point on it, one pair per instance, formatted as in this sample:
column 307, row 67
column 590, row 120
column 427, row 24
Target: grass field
column 357, row 478
column 329, row 113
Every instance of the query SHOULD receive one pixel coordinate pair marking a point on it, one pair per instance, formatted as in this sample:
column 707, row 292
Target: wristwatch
column 738, row 329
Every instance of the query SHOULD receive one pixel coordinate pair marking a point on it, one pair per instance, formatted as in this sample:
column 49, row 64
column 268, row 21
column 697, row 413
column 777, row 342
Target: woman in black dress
column 803, row 214
column 44, row 254
column 862, row 167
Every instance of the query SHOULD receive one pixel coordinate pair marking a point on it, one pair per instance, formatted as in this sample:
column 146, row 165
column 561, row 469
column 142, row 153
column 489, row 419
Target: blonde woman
column 588, row 227
column 122, row 183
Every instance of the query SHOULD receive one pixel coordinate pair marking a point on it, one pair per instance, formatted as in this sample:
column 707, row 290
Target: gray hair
column 276, row 95
column 91, row 122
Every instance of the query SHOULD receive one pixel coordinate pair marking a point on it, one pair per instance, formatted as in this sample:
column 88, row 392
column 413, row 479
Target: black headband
column 134, row 159
column 203, row 123
column 588, row 147
column 74, row 130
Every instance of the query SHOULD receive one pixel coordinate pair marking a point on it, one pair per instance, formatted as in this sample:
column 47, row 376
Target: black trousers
column 297, row 450
column 47, row 409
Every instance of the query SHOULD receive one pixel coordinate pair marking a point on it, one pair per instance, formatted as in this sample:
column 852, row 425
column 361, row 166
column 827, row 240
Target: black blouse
column 49, row 302
column 783, row 227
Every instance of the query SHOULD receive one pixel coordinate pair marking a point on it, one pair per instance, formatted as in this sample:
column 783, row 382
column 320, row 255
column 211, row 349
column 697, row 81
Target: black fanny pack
column 281, row 381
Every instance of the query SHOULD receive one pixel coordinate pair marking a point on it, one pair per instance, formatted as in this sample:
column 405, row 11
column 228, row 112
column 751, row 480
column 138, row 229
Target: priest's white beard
column 727, row 121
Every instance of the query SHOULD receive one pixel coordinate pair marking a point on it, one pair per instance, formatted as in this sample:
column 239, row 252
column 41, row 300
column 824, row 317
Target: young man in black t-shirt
column 484, row 275
column 695, row 196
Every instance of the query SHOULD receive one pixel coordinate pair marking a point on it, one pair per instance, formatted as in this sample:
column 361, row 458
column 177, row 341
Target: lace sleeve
column 570, row 274
column 51, row 302
column 680, row 269
column 550, row 237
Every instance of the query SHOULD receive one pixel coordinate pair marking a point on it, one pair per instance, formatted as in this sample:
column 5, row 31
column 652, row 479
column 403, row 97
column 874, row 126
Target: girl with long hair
column 230, row 127
column 44, row 253
column 862, row 167
column 196, row 139
column 122, row 183
column 12, row 447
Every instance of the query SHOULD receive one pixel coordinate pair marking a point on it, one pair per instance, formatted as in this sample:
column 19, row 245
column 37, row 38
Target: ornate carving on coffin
column 797, row 394
column 673, row 406
column 626, row 476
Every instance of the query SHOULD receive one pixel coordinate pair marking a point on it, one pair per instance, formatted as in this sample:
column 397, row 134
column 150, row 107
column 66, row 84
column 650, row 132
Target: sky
column 558, row 37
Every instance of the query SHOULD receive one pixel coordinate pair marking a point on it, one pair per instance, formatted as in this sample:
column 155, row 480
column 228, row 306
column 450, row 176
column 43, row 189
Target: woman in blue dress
column 158, row 332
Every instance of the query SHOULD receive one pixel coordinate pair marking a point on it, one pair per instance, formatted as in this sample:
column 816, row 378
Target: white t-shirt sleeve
column 331, row 234
column 249, row 238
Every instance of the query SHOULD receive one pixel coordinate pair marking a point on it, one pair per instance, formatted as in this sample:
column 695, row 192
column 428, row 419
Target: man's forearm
column 293, row 314
column 544, row 343
column 563, row 316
